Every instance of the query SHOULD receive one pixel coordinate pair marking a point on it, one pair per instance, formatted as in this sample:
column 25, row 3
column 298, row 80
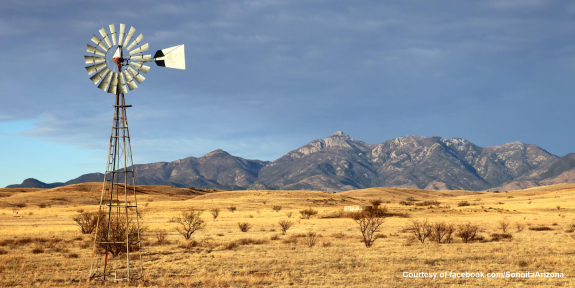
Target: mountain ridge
column 340, row 162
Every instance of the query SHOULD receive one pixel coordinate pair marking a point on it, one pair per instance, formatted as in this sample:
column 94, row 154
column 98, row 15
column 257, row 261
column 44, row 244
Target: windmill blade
column 140, row 49
column 98, row 42
column 104, row 84
column 138, row 40
column 113, row 84
column 172, row 57
column 141, row 67
column 94, row 59
column 122, row 85
column 113, row 33
column 143, row 58
column 98, row 76
column 139, row 78
column 131, row 83
column 105, row 37
column 92, row 69
column 95, row 50
column 121, row 36
column 129, row 36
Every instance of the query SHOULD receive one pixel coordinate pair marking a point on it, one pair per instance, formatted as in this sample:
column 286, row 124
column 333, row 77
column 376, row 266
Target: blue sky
column 265, row 77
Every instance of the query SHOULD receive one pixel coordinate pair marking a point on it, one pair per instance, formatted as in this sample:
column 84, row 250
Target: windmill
column 117, row 237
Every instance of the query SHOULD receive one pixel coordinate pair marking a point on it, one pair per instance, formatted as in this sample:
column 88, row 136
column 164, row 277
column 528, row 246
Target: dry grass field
column 40, row 245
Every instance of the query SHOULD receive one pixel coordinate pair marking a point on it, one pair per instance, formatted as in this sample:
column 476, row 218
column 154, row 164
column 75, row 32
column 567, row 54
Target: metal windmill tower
column 117, row 247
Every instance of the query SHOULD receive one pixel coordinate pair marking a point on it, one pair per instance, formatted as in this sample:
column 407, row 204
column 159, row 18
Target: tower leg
column 117, row 235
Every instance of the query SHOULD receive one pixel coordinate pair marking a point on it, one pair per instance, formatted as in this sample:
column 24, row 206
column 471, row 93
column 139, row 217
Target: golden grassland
column 42, row 247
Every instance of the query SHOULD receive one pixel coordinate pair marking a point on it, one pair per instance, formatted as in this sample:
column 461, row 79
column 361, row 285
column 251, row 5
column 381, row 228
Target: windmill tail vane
column 117, row 249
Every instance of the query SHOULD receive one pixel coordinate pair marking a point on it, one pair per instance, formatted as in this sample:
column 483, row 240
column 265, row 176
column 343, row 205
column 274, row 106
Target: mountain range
column 340, row 163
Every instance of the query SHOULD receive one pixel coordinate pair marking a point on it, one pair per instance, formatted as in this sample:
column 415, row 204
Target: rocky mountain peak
column 218, row 152
column 341, row 134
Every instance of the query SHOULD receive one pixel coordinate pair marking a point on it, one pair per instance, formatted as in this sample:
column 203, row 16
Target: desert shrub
column 338, row 235
column 540, row 228
column 215, row 212
column 411, row 199
column 326, row 244
column 369, row 221
column 310, row 239
column 161, row 236
column 275, row 237
column 42, row 205
column 244, row 226
column 21, row 205
column 232, row 209
column 289, row 214
column 498, row 236
column 73, row 255
column 231, row 245
column 519, row 227
column 522, row 264
column 406, row 203
column 428, row 203
column 277, row 208
column 3, row 252
column 307, row 213
column 38, row 250
column 285, row 225
column 88, row 221
column 503, row 224
column 290, row 240
column 189, row 222
column 421, row 230
column 467, row 232
column 376, row 203
column 189, row 244
column 463, row 203
column 115, row 230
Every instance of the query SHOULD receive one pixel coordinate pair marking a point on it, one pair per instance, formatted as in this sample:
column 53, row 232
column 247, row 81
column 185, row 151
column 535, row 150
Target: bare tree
column 467, row 232
column 450, row 229
column 215, row 212
column 503, row 224
column 376, row 203
column 190, row 222
column 421, row 230
column 369, row 222
column 87, row 221
column 438, row 231
column 285, row 225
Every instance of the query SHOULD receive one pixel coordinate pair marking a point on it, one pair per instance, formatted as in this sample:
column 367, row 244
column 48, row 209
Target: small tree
column 369, row 222
column 421, row 230
column 285, row 225
column 503, row 224
column 190, row 222
column 88, row 221
column 277, row 208
column 215, row 212
column 438, row 231
column 232, row 208
column 245, row 226
column 450, row 229
column 467, row 232
column 113, row 233
column 376, row 203
column 307, row 213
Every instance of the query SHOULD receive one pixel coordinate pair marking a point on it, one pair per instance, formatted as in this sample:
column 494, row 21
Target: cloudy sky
column 265, row 77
